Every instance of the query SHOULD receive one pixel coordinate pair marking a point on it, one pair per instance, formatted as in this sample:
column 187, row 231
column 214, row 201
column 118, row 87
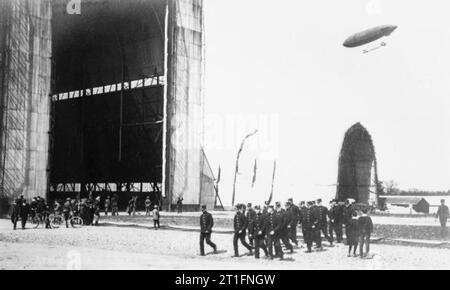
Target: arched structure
column 356, row 160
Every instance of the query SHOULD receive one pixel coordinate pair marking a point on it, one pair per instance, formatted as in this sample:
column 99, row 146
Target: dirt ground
column 109, row 247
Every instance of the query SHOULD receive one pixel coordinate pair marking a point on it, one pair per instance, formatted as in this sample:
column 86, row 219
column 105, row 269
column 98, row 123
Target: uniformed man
column 96, row 211
column 57, row 208
column 46, row 216
column 302, row 208
column 33, row 207
column 336, row 217
column 240, row 223
column 322, row 225
column 41, row 205
column 286, row 220
column 20, row 200
column 67, row 211
column 332, row 212
column 107, row 205
column 244, row 209
column 273, row 228
column 257, row 231
column 148, row 204
column 294, row 213
column 347, row 214
column 266, row 207
column 156, row 216
column 83, row 210
column 443, row 215
column 250, row 219
column 24, row 211
column 309, row 223
column 89, row 210
column 206, row 225
column 115, row 205
column 15, row 214
column 130, row 206
column 180, row 204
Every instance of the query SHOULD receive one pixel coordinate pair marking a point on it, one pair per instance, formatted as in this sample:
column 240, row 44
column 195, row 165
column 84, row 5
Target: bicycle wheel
column 56, row 221
column 35, row 221
column 76, row 222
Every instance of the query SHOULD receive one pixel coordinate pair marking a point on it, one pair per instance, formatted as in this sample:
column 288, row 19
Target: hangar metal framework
column 107, row 100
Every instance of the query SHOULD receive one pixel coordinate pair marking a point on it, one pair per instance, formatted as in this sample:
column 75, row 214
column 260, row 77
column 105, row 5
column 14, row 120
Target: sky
column 279, row 67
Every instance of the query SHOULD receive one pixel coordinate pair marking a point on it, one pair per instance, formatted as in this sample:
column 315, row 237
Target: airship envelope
column 369, row 35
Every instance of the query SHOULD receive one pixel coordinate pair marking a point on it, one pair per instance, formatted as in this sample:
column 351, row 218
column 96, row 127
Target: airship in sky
column 369, row 35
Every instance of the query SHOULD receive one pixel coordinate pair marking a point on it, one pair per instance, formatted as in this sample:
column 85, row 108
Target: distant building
column 417, row 203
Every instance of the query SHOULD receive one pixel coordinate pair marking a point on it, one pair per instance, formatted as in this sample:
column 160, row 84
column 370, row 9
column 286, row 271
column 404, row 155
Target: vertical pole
column 237, row 164
column 377, row 185
column 168, row 90
column 121, row 112
column 273, row 181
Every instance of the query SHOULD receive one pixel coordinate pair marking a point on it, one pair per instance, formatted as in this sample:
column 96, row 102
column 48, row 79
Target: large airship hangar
column 109, row 100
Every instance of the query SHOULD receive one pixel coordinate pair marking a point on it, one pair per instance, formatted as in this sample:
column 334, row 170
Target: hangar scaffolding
column 108, row 100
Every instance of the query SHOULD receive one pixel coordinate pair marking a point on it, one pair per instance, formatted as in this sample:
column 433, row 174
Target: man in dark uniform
column 41, row 205
column 302, row 205
column 20, row 200
column 347, row 214
column 206, row 224
column 285, row 220
column 89, row 213
column 33, row 206
column 243, row 208
column 309, row 222
column 335, row 217
column 257, row 231
column 67, row 210
column 240, row 223
column 180, row 204
column 302, row 208
column 293, row 213
column 96, row 211
column 443, row 214
column 266, row 207
column 322, row 225
column 114, row 205
column 273, row 228
column 107, row 205
column 24, row 211
column 46, row 216
column 316, row 231
column 250, row 219
column 15, row 214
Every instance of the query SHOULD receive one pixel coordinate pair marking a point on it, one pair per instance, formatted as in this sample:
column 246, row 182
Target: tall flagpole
column 255, row 168
column 237, row 164
column 273, row 181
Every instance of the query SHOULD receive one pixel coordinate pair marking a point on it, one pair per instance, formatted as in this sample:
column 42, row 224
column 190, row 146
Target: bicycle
column 57, row 220
column 36, row 219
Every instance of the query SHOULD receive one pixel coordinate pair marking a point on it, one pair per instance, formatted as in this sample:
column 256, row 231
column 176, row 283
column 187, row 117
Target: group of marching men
column 271, row 226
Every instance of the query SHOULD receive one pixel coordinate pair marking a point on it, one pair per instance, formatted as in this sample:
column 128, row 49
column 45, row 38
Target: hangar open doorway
column 124, row 107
